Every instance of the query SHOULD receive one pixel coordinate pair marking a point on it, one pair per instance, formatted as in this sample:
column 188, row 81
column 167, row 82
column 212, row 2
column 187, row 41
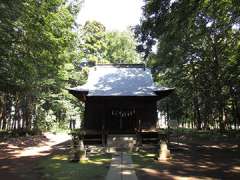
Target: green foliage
column 43, row 32
column 36, row 45
column 198, row 53
column 41, row 48
column 92, row 41
column 100, row 46
column 121, row 48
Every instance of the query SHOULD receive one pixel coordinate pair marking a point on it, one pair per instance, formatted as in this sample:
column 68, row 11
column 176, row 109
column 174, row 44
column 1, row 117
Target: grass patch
column 145, row 159
column 58, row 167
column 213, row 135
column 6, row 134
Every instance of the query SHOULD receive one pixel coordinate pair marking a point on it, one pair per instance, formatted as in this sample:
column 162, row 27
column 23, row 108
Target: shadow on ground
column 11, row 147
column 192, row 161
column 19, row 156
column 59, row 167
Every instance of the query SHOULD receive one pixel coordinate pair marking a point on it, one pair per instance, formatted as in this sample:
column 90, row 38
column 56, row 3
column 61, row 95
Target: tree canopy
column 36, row 37
column 198, row 53
column 42, row 48
column 101, row 46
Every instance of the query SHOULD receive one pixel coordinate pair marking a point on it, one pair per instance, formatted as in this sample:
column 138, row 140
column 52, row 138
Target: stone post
column 164, row 152
column 76, row 149
column 83, row 151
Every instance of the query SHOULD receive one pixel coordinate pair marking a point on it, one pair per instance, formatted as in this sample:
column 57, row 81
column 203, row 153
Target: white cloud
column 114, row 14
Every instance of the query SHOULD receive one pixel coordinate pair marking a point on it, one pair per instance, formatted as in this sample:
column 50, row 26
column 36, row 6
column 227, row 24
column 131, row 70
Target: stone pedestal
column 83, row 151
column 78, row 151
column 164, row 152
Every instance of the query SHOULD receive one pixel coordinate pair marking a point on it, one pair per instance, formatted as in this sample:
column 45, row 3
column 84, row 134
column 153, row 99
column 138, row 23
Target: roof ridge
column 122, row 65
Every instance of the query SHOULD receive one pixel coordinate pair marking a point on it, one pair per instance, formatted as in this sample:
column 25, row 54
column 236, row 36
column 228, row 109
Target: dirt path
column 191, row 160
column 19, row 156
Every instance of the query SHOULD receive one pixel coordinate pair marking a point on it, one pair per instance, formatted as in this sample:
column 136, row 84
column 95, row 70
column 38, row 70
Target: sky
column 113, row 14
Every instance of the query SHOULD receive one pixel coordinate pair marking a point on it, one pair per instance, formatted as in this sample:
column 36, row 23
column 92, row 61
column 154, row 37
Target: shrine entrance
column 120, row 101
column 122, row 120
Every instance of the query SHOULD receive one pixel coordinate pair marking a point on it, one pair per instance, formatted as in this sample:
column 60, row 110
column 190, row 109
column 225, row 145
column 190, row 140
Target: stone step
column 121, row 141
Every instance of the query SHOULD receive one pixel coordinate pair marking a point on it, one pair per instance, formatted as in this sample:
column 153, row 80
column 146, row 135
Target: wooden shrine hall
column 119, row 99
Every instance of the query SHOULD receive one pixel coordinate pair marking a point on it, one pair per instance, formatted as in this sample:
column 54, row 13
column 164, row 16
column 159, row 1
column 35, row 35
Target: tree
column 197, row 41
column 121, row 48
column 100, row 46
column 36, row 37
column 92, row 42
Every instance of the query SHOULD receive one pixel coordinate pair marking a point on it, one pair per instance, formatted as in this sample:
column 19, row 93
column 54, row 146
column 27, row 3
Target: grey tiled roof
column 119, row 81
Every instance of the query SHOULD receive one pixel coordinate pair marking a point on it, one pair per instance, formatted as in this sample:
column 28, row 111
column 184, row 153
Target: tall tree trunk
column 196, row 107
column 24, row 113
column 237, row 116
column 234, row 115
column 197, row 114
column 220, row 120
column 9, row 114
column 1, row 110
column 216, row 55
column 28, row 113
column 17, row 111
column 4, row 118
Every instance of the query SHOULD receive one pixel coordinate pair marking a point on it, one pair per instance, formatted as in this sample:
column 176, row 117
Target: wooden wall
column 98, row 111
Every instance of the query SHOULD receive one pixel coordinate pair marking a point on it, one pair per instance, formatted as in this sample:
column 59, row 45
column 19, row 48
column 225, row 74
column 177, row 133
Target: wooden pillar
column 139, row 121
column 104, row 120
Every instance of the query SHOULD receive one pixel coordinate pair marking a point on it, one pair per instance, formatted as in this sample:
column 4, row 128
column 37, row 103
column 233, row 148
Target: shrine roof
column 119, row 80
